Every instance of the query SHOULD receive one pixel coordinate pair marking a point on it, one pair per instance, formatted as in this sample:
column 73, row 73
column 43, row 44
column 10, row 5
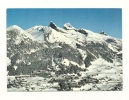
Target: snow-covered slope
column 71, row 35
column 20, row 31
column 75, row 59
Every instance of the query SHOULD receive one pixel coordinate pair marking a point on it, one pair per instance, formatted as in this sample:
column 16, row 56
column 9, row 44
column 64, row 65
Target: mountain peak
column 52, row 25
column 14, row 27
column 68, row 26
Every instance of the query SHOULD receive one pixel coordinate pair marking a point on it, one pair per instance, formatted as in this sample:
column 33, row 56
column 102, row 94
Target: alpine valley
column 50, row 58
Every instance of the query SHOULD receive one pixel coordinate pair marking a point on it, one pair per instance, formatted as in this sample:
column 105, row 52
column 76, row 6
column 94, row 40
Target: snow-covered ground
column 101, row 68
column 8, row 61
column 108, row 74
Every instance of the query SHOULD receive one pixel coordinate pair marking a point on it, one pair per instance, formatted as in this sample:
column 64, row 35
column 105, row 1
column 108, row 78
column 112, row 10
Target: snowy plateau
column 50, row 58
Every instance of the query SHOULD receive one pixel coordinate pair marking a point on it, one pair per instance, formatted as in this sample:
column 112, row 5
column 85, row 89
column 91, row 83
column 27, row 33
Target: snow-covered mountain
column 56, row 53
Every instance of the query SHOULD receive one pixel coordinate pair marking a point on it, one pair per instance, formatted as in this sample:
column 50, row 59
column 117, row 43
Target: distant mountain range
column 52, row 52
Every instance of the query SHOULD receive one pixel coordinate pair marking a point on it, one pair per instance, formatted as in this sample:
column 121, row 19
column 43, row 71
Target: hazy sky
column 96, row 20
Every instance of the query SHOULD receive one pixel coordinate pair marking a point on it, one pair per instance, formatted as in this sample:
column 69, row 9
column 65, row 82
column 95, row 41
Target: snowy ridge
column 41, row 32
column 20, row 31
column 68, row 35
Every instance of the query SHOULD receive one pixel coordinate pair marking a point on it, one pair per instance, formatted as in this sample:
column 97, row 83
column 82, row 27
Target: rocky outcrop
column 82, row 31
column 53, row 25
column 68, row 26
column 103, row 33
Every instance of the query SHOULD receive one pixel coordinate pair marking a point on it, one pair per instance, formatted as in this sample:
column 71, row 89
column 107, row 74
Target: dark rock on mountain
column 52, row 25
column 82, row 31
column 103, row 33
column 110, row 41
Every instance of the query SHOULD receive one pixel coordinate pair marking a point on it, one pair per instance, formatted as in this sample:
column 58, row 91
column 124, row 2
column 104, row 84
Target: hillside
column 50, row 58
